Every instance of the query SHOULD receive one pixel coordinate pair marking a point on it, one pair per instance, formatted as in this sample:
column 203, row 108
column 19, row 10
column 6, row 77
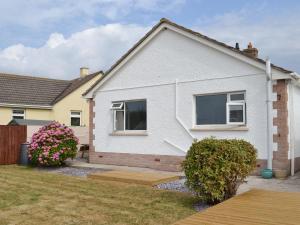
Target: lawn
column 31, row 197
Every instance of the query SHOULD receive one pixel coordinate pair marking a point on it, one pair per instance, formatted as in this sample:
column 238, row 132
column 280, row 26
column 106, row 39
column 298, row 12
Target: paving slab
column 133, row 177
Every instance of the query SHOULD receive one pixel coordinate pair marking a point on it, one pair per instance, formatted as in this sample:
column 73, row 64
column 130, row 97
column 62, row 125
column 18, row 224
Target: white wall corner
column 275, row 130
column 274, row 113
column 275, row 147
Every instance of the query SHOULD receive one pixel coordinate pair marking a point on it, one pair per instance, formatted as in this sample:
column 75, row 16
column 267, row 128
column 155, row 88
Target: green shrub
column 215, row 168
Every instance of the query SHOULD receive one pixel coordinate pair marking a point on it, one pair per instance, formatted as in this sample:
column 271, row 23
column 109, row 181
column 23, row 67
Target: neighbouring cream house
column 36, row 98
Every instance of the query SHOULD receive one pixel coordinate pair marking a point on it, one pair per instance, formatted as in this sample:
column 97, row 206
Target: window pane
column 75, row 121
column 18, row 111
column 119, row 120
column 236, row 113
column 237, row 97
column 117, row 105
column 211, row 109
column 18, row 117
column 75, row 113
column 136, row 115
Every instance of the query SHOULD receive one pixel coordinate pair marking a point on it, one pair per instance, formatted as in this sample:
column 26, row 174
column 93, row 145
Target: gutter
column 269, row 88
column 26, row 106
column 295, row 75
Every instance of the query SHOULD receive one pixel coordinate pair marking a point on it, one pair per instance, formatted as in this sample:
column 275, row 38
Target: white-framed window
column 18, row 113
column 129, row 115
column 75, row 118
column 223, row 108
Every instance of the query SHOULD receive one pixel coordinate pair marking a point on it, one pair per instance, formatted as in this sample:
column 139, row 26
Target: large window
column 75, row 118
column 228, row 108
column 130, row 115
column 18, row 114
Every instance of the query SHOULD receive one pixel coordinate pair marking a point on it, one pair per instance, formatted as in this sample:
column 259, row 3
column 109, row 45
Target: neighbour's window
column 218, row 109
column 130, row 115
column 75, row 118
column 18, row 114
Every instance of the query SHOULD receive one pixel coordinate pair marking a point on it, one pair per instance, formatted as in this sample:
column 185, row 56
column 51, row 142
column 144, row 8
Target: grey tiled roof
column 28, row 90
column 74, row 85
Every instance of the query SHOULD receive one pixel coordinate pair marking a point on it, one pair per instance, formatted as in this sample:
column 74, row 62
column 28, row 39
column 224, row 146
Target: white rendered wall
column 168, row 57
column 296, row 100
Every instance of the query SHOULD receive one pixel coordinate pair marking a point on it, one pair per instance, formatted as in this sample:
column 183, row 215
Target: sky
column 54, row 38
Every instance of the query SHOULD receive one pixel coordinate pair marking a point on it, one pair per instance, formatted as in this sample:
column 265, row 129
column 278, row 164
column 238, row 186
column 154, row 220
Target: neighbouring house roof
column 29, row 122
column 166, row 21
column 37, row 91
column 76, row 83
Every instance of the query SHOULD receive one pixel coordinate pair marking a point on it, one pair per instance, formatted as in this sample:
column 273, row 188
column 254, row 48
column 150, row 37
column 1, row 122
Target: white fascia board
column 26, row 106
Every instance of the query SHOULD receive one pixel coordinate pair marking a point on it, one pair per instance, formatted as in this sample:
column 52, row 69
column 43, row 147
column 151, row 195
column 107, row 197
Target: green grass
column 31, row 197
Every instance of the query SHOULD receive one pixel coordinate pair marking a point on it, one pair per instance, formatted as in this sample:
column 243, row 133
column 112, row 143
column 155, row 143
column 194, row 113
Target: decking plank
column 144, row 178
column 253, row 207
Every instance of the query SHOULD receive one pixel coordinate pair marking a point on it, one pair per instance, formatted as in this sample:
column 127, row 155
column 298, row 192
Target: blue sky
column 54, row 38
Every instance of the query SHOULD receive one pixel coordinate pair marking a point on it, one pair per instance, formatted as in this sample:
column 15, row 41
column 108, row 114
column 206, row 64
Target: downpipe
column 269, row 113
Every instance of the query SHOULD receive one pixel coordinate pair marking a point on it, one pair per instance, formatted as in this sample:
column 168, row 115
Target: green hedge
column 215, row 168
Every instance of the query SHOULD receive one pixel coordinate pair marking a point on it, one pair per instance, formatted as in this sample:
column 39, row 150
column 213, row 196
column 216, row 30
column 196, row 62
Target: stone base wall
column 260, row 165
column 158, row 162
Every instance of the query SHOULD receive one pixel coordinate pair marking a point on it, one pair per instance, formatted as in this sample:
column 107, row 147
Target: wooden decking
column 144, row 178
column 255, row 207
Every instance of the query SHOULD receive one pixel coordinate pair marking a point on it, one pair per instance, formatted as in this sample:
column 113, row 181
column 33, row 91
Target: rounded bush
column 52, row 144
column 215, row 168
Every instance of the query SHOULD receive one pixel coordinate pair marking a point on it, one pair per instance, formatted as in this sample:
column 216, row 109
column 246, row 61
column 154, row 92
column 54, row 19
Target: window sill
column 220, row 128
column 129, row 133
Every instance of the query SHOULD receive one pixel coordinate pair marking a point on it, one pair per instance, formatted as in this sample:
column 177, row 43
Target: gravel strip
column 71, row 171
column 179, row 185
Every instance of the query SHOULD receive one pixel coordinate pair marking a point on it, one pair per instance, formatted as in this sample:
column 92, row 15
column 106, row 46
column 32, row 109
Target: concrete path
column 291, row 184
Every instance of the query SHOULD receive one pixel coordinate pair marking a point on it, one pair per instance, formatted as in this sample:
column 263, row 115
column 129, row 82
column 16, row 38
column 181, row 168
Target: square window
column 211, row 109
column 130, row 115
column 119, row 123
column 75, row 118
column 117, row 105
column 18, row 114
column 236, row 113
column 135, row 116
column 237, row 97
column 218, row 109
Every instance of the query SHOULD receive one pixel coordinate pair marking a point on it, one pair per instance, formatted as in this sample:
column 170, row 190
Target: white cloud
column 62, row 57
column 276, row 36
column 35, row 13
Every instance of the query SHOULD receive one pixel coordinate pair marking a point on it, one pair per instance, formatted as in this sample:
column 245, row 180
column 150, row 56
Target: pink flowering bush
column 52, row 145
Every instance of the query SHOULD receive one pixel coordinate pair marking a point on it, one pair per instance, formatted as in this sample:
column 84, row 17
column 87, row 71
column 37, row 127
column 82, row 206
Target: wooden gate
column 11, row 138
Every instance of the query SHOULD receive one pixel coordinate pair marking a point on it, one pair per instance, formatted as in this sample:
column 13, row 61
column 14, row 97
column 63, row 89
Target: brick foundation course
column 158, row 162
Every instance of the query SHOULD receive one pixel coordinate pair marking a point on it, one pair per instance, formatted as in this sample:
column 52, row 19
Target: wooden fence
column 11, row 138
